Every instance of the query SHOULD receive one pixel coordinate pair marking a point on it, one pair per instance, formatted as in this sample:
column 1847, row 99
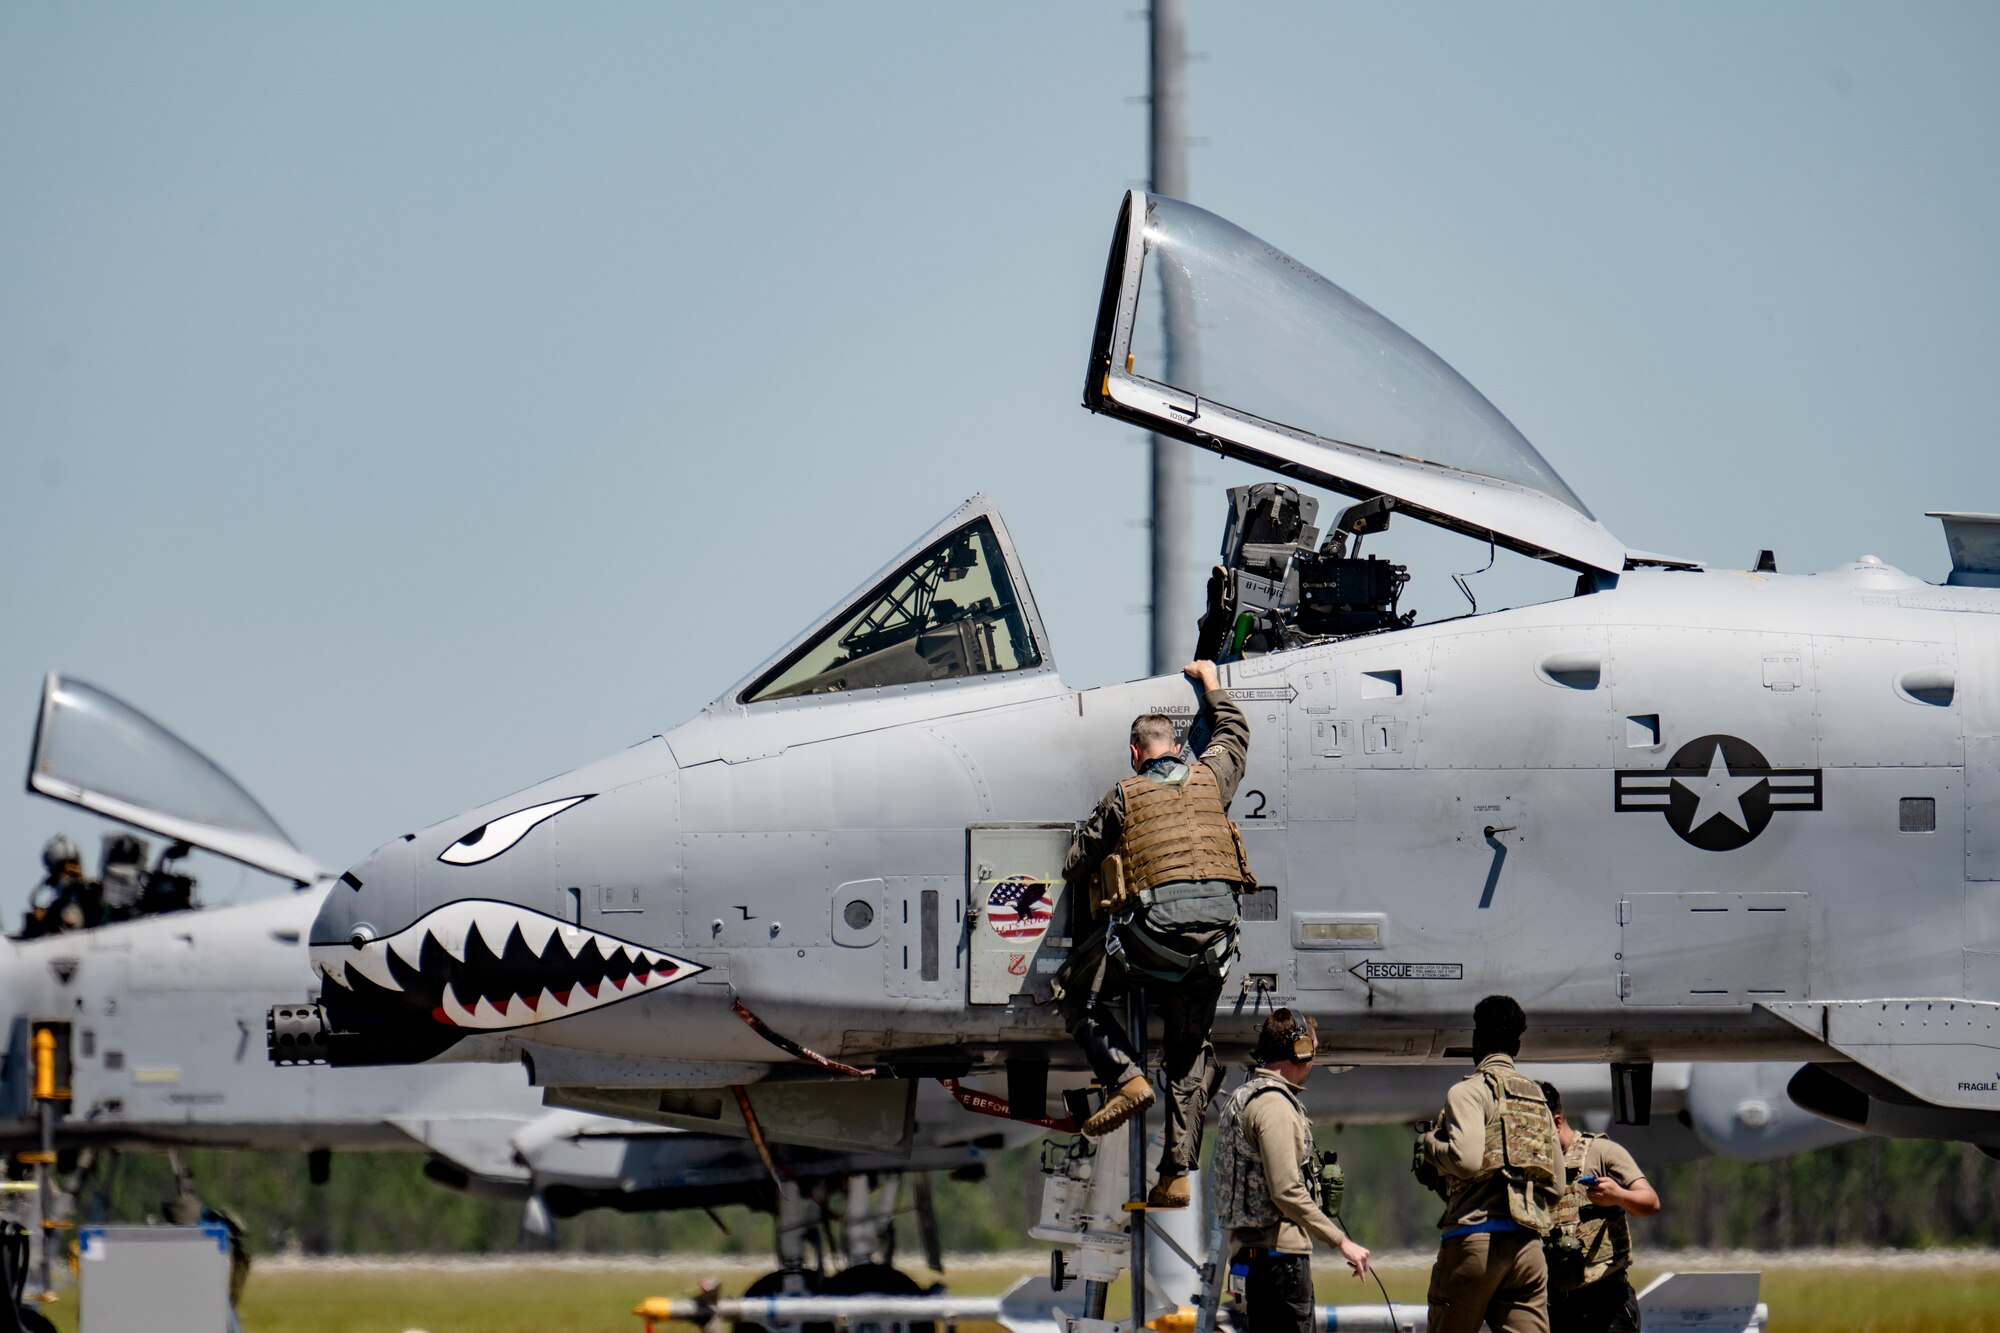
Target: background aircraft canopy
column 95, row 750
column 1208, row 333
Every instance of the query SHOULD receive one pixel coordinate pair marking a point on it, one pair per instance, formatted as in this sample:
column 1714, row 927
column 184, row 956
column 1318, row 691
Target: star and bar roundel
column 1717, row 792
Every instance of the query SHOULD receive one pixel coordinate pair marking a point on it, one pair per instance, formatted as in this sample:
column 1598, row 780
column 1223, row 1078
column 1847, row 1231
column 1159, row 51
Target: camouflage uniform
column 1592, row 1294
column 1175, row 937
column 1495, row 1145
column 1266, row 1194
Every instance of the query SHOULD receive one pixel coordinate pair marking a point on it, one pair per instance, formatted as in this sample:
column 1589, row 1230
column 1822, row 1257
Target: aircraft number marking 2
column 1258, row 813
column 1409, row 971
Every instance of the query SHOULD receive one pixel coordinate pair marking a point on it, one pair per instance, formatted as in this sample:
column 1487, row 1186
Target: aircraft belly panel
column 1714, row 949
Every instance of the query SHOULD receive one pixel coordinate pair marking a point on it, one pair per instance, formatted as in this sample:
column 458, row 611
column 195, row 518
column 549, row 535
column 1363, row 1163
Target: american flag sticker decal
column 1019, row 908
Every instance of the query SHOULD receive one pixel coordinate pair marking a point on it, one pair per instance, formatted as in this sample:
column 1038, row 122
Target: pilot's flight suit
column 1267, row 1197
column 1173, row 928
column 1495, row 1145
column 1590, row 1292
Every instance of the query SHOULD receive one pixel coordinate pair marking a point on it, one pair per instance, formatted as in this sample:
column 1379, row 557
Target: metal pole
column 1173, row 600
column 46, row 1195
column 1135, row 1022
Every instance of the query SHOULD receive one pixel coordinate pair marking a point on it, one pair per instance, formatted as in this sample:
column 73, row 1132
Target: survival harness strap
column 1141, row 949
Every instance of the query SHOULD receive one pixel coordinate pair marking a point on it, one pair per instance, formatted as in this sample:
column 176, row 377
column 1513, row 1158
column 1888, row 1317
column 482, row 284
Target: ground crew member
column 1162, row 865
column 1267, row 1181
column 1492, row 1154
column 1590, row 1250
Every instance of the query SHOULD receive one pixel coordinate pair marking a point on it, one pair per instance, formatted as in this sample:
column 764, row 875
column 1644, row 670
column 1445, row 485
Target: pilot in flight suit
column 1168, row 865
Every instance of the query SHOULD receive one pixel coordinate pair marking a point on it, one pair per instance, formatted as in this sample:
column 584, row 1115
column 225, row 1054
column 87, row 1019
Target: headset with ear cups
column 1303, row 1040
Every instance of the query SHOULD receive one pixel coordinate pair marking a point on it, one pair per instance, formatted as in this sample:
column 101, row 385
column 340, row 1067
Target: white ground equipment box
column 153, row 1277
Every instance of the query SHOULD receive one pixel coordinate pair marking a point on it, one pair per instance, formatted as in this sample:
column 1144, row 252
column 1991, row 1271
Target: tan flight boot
column 1132, row 1097
column 1171, row 1192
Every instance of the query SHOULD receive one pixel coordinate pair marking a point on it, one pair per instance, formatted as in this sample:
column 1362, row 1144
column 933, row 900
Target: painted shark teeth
column 476, row 963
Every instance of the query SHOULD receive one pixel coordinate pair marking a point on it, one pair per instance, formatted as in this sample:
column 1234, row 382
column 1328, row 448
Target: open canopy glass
column 1208, row 333
column 95, row 750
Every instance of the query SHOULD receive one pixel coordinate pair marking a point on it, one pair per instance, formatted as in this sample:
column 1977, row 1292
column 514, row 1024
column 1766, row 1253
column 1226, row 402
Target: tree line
column 1904, row 1193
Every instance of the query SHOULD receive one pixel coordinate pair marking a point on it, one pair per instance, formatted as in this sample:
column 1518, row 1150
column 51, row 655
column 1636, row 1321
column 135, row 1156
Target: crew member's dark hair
column 1553, row 1097
column 1497, row 1025
column 1280, row 1030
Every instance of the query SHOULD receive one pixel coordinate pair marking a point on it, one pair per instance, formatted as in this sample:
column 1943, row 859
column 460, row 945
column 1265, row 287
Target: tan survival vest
column 1521, row 1148
column 1601, row 1235
column 1239, row 1195
column 1173, row 833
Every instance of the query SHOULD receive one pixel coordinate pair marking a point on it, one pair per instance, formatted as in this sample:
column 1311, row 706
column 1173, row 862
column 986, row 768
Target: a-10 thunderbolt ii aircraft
column 1683, row 813
column 161, row 1023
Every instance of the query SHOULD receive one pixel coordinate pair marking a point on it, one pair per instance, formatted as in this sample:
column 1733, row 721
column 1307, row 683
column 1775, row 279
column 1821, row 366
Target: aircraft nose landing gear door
column 1018, row 912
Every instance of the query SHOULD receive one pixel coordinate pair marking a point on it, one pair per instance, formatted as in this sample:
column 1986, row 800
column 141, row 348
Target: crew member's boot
column 1172, row 1191
column 1132, row 1097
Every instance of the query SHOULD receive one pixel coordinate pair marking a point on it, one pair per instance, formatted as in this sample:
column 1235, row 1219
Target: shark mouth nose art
column 482, row 964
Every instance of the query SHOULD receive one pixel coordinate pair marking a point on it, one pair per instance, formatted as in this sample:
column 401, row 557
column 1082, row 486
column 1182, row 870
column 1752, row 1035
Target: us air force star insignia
column 1717, row 792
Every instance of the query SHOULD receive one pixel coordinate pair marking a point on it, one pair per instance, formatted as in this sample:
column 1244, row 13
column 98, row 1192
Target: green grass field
column 1927, row 1297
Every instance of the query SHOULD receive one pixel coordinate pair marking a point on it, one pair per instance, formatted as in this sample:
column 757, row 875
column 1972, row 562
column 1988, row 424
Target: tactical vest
column 1239, row 1196
column 1601, row 1235
column 1174, row 832
column 1521, row 1149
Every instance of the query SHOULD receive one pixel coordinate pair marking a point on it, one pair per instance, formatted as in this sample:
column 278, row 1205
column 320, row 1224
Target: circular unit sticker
column 1019, row 908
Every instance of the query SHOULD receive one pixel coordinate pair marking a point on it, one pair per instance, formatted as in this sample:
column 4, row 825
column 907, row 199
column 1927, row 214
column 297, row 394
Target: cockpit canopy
column 946, row 613
column 94, row 750
column 1206, row 333
column 953, row 610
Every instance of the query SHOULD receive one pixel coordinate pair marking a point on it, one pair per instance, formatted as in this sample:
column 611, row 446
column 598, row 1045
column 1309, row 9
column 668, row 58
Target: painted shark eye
column 492, row 838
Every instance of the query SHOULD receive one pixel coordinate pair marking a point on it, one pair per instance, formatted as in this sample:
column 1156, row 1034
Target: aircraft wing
column 480, row 1146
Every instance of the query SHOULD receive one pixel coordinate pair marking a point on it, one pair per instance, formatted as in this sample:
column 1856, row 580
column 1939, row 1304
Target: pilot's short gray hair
column 1152, row 730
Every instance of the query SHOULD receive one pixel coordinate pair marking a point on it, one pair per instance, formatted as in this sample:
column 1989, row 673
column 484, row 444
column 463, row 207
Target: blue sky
column 406, row 403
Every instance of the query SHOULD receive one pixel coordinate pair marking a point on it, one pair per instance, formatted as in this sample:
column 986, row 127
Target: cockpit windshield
column 949, row 612
column 1236, row 322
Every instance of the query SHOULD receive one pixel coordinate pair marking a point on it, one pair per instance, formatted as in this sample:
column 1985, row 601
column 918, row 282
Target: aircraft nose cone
column 369, row 901
column 541, row 906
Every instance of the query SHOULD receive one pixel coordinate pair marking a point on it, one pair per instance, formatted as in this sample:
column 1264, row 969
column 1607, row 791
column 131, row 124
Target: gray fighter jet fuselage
column 1684, row 814
column 165, row 1018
